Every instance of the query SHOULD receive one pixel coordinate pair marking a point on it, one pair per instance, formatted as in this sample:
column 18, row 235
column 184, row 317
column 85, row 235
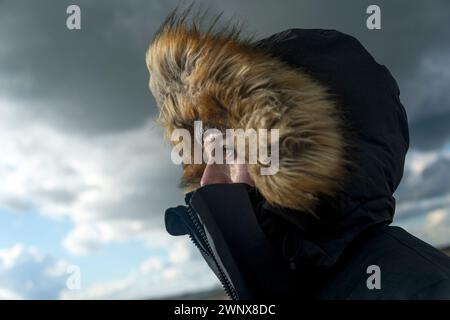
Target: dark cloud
column 433, row 181
column 88, row 81
column 431, row 130
column 15, row 204
column 95, row 81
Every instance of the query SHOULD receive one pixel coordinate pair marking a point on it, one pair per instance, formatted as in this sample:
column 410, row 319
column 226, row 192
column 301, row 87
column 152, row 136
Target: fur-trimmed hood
column 343, row 130
column 226, row 82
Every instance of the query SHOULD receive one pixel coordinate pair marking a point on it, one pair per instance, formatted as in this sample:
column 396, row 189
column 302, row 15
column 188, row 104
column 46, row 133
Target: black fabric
column 326, row 255
column 239, row 242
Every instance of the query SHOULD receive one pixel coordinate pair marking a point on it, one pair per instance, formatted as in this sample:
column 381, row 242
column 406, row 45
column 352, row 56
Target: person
column 320, row 227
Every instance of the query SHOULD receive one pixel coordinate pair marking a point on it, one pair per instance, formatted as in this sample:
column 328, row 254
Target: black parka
column 347, row 250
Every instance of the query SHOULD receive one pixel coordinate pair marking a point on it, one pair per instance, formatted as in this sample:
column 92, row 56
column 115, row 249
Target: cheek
column 239, row 174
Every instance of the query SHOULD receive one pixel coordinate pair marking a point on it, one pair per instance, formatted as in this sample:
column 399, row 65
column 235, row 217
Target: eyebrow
column 198, row 135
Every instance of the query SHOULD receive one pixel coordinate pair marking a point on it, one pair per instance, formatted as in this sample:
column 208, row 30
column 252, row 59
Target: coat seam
column 416, row 251
column 434, row 284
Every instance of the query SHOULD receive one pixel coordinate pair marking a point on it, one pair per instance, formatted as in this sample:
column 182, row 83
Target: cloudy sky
column 85, row 175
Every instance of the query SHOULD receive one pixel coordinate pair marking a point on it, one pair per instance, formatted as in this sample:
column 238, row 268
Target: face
column 223, row 173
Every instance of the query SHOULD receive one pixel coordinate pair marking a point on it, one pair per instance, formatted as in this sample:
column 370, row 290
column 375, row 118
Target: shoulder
column 406, row 267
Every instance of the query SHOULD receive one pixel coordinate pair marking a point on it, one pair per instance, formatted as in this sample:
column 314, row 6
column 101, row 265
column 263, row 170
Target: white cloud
column 423, row 206
column 436, row 218
column 426, row 177
column 9, row 295
column 432, row 226
column 183, row 270
column 151, row 265
column 27, row 273
column 180, row 252
column 113, row 187
column 417, row 161
column 423, row 198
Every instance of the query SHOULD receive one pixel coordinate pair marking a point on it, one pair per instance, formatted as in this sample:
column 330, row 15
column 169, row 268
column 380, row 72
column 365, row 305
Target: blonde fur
column 219, row 78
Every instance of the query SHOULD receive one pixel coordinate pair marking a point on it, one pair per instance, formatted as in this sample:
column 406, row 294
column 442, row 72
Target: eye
column 229, row 152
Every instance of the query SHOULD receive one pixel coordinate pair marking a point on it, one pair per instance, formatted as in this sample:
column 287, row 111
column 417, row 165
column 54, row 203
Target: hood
column 343, row 129
column 375, row 132
column 227, row 82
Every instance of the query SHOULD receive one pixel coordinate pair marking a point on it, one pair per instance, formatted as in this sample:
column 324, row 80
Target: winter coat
column 320, row 227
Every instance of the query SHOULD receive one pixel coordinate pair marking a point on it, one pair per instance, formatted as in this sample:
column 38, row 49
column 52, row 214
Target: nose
column 215, row 173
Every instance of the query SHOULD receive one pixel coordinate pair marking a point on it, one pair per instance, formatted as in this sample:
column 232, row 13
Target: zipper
column 226, row 284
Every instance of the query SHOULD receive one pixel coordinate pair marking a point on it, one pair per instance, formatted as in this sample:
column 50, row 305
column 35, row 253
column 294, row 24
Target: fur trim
column 221, row 79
